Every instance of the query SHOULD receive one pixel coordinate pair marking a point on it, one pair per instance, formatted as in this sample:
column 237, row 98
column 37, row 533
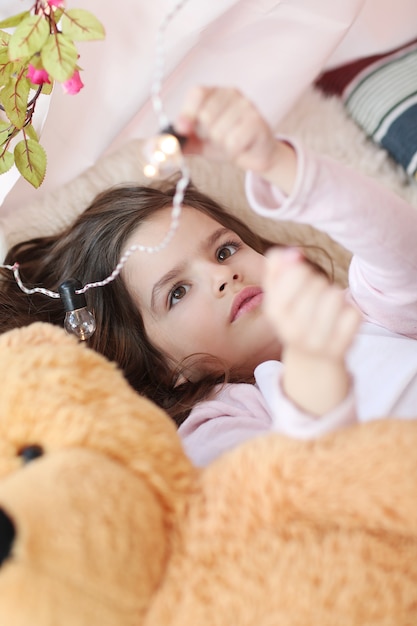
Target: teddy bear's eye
column 30, row 453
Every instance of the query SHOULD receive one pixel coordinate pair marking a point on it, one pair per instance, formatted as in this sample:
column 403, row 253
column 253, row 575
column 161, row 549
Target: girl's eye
column 227, row 250
column 177, row 293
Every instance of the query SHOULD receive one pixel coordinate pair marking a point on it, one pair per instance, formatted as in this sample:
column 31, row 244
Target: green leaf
column 59, row 57
column 4, row 125
column 29, row 37
column 82, row 25
column 57, row 14
column 36, row 61
column 47, row 88
column 14, row 20
column 4, row 131
column 4, row 38
column 6, row 70
column 6, row 67
column 31, row 132
column 30, row 159
column 14, row 97
column 4, row 55
column 6, row 162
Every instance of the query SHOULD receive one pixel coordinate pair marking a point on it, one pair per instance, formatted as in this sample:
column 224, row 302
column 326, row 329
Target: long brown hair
column 89, row 250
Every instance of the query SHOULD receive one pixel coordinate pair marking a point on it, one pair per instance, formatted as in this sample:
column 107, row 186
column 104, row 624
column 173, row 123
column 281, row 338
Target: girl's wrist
column 281, row 172
column 317, row 384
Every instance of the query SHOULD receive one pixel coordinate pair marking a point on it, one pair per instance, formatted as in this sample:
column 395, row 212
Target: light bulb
column 163, row 154
column 78, row 319
column 80, row 323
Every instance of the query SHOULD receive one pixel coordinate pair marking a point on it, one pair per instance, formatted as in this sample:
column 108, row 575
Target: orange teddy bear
column 105, row 522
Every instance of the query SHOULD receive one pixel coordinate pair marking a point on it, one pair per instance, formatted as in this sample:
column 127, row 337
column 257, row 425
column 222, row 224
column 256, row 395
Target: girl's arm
column 376, row 225
column 312, row 319
column 316, row 325
column 285, row 182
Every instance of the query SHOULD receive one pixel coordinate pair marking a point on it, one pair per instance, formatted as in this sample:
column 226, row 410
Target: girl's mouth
column 246, row 300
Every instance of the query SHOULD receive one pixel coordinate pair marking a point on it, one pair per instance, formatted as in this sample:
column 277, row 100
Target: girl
column 211, row 305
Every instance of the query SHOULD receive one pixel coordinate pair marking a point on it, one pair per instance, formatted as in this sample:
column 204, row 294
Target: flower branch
column 40, row 51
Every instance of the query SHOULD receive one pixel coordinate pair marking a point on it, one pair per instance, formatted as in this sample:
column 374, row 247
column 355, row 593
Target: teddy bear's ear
column 7, row 535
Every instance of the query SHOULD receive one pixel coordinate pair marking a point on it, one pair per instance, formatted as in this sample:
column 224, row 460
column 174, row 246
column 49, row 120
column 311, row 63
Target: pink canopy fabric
column 272, row 50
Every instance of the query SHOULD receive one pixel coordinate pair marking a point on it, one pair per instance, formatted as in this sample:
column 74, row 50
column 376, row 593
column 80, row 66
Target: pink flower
column 37, row 77
column 74, row 84
column 56, row 3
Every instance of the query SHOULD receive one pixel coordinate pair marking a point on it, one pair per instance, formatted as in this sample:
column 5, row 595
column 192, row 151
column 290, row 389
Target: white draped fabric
column 270, row 49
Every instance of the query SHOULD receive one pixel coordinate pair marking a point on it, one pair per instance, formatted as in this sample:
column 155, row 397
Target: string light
column 159, row 70
column 46, row 292
column 163, row 156
column 78, row 319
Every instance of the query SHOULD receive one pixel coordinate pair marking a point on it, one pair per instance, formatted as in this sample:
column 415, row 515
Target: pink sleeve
column 376, row 225
column 240, row 412
column 237, row 413
column 291, row 420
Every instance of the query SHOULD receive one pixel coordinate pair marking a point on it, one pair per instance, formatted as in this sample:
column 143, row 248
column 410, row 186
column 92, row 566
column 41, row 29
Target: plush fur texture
column 113, row 526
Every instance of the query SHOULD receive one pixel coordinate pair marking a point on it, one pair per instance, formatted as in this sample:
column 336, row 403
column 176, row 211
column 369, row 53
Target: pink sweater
column 380, row 229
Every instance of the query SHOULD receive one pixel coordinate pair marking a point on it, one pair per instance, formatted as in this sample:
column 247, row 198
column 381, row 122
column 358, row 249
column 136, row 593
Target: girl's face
column 201, row 294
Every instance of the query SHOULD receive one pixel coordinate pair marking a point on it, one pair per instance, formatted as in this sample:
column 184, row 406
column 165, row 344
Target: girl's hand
column 220, row 123
column 305, row 310
column 316, row 326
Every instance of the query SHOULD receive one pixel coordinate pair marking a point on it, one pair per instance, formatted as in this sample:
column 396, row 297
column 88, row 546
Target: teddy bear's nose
column 7, row 535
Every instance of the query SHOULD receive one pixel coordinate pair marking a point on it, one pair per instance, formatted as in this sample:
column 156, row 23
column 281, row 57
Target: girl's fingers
column 222, row 123
column 279, row 258
column 304, row 309
column 220, row 107
column 345, row 332
column 185, row 123
column 326, row 319
column 290, row 287
column 202, row 108
column 233, row 127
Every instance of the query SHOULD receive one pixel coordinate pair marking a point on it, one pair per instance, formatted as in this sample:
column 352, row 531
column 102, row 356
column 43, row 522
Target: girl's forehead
column 190, row 237
column 157, row 225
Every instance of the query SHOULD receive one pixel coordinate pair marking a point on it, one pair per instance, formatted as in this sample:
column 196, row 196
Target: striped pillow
column 380, row 94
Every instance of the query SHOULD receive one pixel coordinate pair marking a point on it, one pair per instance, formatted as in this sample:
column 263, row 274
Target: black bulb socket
column 71, row 300
column 170, row 130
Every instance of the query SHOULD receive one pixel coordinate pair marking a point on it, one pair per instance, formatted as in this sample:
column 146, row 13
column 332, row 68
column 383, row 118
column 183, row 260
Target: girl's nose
column 233, row 277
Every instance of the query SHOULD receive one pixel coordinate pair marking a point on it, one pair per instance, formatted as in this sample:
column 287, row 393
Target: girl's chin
column 272, row 352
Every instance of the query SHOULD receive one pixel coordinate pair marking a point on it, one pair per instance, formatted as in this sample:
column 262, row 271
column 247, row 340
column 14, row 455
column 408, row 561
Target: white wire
column 175, row 217
column 159, row 70
column 15, row 269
